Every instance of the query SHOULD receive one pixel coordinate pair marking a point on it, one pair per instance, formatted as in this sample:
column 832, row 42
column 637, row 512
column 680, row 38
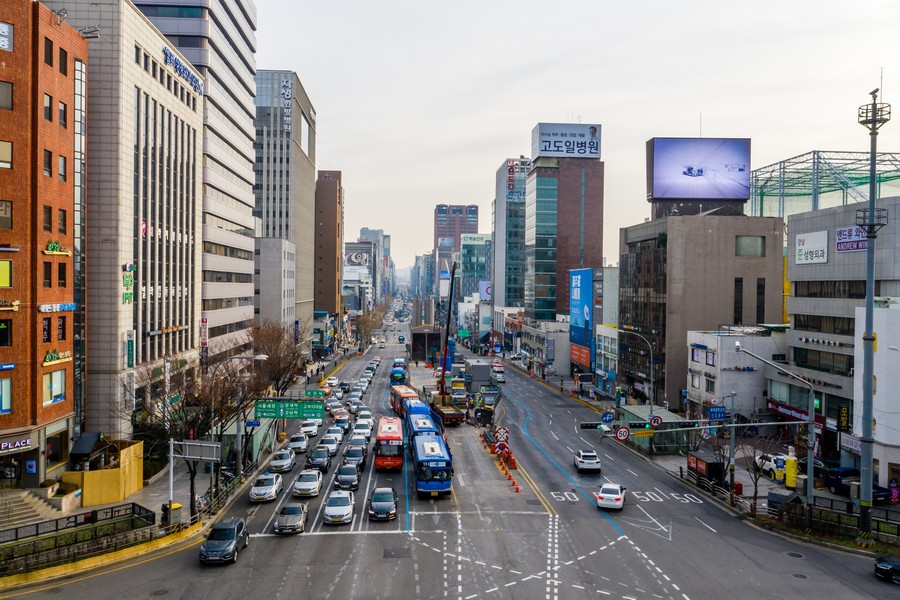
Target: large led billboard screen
column 565, row 140
column 581, row 306
column 698, row 169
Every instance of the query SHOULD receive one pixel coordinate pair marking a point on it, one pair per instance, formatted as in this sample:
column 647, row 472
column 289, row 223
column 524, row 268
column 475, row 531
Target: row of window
column 158, row 71
column 62, row 274
column 54, row 390
column 6, row 160
column 61, row 109
column 6, row 331
column 63, row 57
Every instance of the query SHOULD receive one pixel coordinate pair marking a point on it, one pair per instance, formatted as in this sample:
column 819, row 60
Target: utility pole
column 731, row 448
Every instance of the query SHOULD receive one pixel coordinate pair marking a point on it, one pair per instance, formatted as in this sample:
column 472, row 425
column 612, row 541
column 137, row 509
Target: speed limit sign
column 622, row 433
column 655, row 421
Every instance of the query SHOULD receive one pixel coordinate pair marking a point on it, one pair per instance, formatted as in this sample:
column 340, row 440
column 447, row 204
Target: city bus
column 433, row 466
column 399, row 395
column 388, row 444
column 417, row 424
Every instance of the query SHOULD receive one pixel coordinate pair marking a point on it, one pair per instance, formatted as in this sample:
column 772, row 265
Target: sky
column 419, row 102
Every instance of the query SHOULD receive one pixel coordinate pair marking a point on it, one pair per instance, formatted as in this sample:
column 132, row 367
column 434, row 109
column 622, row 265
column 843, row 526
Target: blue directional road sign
column 608, row 417
column 253, row 423
column 717, row 413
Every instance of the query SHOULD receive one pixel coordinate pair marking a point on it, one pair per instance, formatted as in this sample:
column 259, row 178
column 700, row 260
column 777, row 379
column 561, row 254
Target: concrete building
column 474, row 264
column 508, row 227
column 683, row 273
column 43, row 87
column 606, row 337
column 545, row 344
column 329, row 236
column 379, row 264
column 284, row 179
column 219, row 40
column 453, row 220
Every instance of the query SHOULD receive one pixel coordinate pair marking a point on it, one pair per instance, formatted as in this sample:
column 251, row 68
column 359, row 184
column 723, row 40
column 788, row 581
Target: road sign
column 655, row 421
column 608, row 417
column 253, row 423
column 622, row 433
column 502, row 434
column 315, row 393
column 717, row 413
column 288, row 409
column 498, row 348
column 639, row 433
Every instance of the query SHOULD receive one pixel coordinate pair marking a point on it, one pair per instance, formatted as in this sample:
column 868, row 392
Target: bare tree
column 285, row 359
column 751, row 449
column 366, row 324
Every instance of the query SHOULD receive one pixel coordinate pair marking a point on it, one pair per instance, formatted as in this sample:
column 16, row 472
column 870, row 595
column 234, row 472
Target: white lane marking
column 661, row 493
column 459, row 480
column 633, row 473
column 577, row 587
column 553, row 433
column 586, row 442
column 705, row 525
column 608, row 456
column 570, row 450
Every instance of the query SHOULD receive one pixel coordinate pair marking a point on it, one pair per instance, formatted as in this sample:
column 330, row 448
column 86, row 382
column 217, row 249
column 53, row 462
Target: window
column 738, row 309
column 5, row 273
column 6, row 332
column 137, row 55
column 63, row 115
column 48, row 274
column 695, row 381
column 48, row 108
column 6, row 96
column 48, row 51
column 62, row 168
column 48, row 219
column 711, row 359
column 5, row 214
column 760, row 300
column 749, row 245
column 60, row 328
column 5, row 396
column 63, row 62
column 711, row 386
column 48, row 163
column 5, row 155
column 62, row 275
column 695, row 355
column 54, row 387
column 46, row 331
column 61, row 221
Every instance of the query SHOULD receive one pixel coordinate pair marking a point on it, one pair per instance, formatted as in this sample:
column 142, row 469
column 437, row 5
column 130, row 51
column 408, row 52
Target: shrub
column 48, row 483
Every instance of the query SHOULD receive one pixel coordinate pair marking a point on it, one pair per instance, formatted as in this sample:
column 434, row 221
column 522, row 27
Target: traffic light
column 647, row 425
column 591, row 425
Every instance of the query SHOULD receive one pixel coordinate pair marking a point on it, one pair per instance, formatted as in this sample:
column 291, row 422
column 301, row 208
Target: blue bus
column 399, row 376
column 433, row 466
column 417, row 424
column 414, row 406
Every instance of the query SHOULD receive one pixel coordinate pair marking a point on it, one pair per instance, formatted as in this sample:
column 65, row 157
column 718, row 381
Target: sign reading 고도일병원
column 811, row 248
column 565, row 140
column 850, row 239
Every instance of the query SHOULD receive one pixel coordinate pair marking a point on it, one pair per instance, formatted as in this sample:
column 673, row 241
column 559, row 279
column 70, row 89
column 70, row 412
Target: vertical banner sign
column 204, row 332
column 581, row 306
column 296, row 331
column 129, row 349
column 286, row 99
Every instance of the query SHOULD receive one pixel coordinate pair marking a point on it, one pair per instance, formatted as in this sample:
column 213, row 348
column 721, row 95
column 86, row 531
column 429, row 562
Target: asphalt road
column 546, row 542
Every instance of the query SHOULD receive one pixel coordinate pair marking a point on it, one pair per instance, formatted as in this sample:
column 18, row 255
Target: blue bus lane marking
column 560, row 469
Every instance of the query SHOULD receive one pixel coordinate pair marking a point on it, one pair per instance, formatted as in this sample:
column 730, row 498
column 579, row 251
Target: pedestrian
column 417, row 363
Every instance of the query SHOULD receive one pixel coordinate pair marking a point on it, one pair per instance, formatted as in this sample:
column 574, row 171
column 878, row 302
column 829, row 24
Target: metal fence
column 82, row 519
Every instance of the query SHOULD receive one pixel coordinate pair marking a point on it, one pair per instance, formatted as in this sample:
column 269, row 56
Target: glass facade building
column 540, row 247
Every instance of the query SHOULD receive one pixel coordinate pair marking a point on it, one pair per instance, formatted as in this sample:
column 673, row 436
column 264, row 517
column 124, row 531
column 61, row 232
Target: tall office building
column 329, row 235
column 43, row 87
column 144, row 205
column 563, row 214
column 285, row 190
column 219, row 40
column 508, row 227
column 452, row 220
column 474, row 263
column 379, row 275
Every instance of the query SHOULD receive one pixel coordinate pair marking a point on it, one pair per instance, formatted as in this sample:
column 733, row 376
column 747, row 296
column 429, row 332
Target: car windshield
column 382, row 497
column 356, row 452
column 307, row 477
column 292, row 510
column 333, row 430
column 329, row 440
column 349, row 470
column 308, row 424
column 339, row 501
column 299, row 437
column 320, row 453
column 265, row 482
column 609, row 489
column 342, row 420
column 221, row 533
column 358, row 441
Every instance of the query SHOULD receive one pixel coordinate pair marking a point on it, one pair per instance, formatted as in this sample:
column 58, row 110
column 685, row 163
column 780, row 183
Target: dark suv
column 224, row 540
column 319, row 459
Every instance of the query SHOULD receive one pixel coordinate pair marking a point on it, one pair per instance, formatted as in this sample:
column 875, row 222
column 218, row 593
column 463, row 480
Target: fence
column 91, row 517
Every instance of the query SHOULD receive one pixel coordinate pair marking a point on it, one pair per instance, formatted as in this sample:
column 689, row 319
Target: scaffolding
column 820, row 179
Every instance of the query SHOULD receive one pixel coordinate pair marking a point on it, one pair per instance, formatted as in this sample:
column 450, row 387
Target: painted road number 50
column 564, row 496
column 654, row 497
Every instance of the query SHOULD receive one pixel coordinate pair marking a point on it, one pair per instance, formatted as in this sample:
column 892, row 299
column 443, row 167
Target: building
column 284, row 179
column 43, row 88
column 219, row 40
column 544, row 345
column 694, row 272
column 508, row 227
column 563, row 216
column 453, row 220
column 379, row 269
column 329, row 236
column 606, row 337
column 474, row 266
column 144, row 202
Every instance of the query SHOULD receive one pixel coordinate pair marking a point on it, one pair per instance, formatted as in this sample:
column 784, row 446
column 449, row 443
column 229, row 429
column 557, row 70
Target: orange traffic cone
column 517, row 488
column 508, row 476
column 514, row 482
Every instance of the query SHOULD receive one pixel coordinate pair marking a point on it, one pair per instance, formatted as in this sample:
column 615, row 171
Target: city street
column 548, row 541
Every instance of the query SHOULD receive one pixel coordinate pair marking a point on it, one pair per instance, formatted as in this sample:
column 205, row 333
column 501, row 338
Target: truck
column 478, row 373
column 839, row 480
column 458, row 393
column 443, row 409
column 489, row 396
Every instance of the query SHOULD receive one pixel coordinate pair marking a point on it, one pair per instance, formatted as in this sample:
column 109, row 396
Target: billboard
column 581, row 306
column 356, row 258
column 445, row 242
column 485, row 290
column 698, row 169
column 811, row 248
column 565, row 140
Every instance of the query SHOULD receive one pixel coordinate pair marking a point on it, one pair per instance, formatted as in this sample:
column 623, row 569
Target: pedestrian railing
column 145, row 516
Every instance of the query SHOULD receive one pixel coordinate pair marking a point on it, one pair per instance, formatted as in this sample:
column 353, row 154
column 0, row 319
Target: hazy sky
column 419, row 102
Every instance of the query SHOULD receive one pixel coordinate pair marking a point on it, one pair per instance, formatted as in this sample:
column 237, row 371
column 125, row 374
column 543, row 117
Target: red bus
column 399, row 394
column 389, row 444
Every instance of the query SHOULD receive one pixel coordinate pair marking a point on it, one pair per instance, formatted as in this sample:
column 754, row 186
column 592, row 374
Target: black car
column 319, row 459
column 356, row 455
column 345, row 387
column 383, row 504
column 347, row 478
column 224, row 541
column 820, row 466
column 343, row 423
column 888, row 568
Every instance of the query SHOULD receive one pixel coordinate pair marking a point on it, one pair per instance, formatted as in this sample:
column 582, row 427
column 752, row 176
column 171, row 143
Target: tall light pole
column 650, row 346
column 810, row 434
column 871, row 116
column 731, row 446
column 239, row 418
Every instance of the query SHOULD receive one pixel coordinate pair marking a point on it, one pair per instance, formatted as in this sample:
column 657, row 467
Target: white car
column 500, row 377
column 587, row 460
column 266, row 487
column 365, row 418
column 310, row 428
column 337, row 432
column 298, row 443
column 332, row 381
column 358, row 440
column 330, row 442
column 339, row 508
column 363, row 429
column 337, row 393
column 364, row 384
column 308, row 483
column 283, row 461
column 766, row 463
column 611, row 495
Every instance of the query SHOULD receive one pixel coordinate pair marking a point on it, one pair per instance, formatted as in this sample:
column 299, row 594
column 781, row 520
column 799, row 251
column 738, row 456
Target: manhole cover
column 794, row 555
column 397, row 553
column 799, row 576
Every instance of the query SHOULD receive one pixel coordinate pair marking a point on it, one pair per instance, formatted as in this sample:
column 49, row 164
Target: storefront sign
column 15, row 444
column 54, row 248
column 794, row 413
column 12, row 305
column 811, row 248
column 31, row 466
column 851, row 239
column 851, row 443
column 7, row 366
column 52, row 308
column 54, row 357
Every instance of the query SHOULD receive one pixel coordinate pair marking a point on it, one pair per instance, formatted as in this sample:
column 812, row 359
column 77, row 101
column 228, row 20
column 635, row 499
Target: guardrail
column 86, row 518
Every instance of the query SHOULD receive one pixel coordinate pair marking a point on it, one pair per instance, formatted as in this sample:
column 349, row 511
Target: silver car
column 291, row 518
column 331, row 443
column 283, row 461
column 307, row 484
column 339, row 508
column 298, row 443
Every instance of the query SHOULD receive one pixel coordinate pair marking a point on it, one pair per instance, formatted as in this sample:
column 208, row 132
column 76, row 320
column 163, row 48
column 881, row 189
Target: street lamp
column 238, row 433
column 650, row 346
column 811, row 428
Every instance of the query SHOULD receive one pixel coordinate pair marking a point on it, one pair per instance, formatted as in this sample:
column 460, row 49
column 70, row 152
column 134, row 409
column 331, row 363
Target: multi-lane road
column 546, row 542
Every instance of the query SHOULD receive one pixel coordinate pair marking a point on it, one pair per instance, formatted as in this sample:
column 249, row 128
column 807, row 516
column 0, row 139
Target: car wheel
column 832, row 490
column 247, row 541
column 896, row 578
column 234, row 556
